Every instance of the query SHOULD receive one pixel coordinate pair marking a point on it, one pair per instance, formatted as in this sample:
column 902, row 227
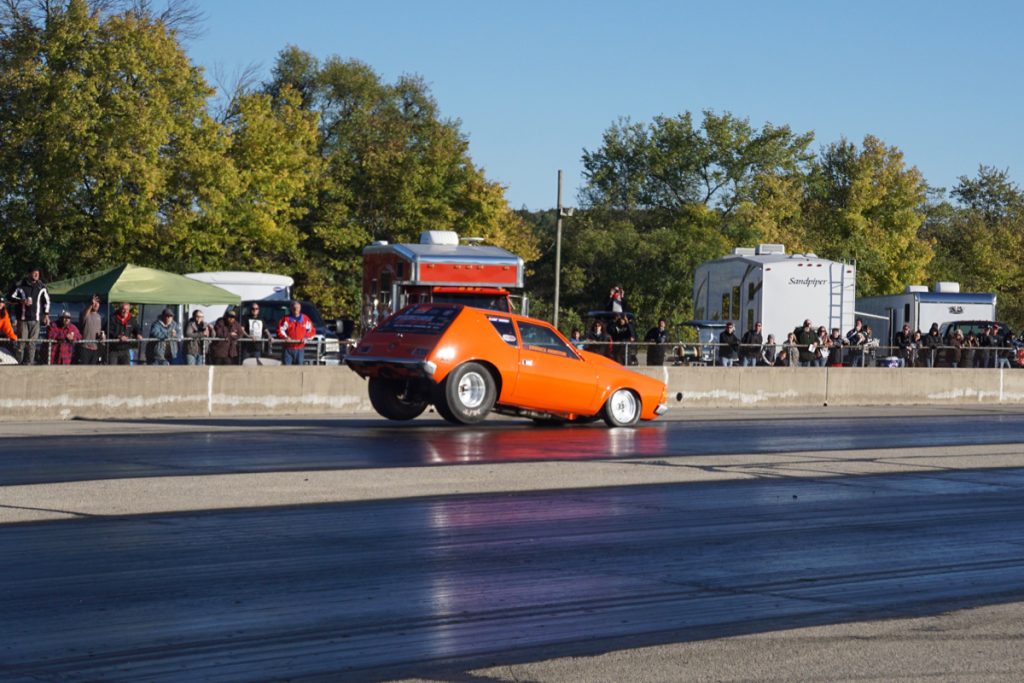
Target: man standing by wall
column 751, row 348
column 295, row 329
column 34, row 311
column 729, row 345
column 807, row 342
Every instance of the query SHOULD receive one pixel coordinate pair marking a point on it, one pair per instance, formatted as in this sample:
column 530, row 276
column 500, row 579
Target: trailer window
column 735, row 302
column 750, row 318
column 725, row 306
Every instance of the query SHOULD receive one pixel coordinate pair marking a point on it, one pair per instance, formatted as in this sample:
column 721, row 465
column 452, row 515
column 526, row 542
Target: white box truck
column 919, row 308
column 778, row 289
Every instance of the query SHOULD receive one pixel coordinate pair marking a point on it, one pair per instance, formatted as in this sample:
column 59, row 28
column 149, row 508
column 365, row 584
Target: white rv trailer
column 778, row 289
column 249, row 286
column 919, row 308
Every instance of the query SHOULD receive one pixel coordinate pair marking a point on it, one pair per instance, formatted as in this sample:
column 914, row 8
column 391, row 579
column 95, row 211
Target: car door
column 552, row 376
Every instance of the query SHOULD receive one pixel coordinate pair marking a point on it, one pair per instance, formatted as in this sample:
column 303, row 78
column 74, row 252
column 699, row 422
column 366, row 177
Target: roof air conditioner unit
column 743, row 251
column 947, row 287
column 916, row 289
column 448, row 238
column 763, row 249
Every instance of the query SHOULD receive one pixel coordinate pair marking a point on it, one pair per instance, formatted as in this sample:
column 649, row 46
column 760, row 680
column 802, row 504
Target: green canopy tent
column 139, row 285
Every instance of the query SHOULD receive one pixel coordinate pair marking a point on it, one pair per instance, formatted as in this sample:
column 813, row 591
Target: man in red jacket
column 295, row 328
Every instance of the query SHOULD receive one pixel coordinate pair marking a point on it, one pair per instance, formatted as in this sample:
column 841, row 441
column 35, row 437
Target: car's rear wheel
column 622, row 409
column 469, row 393
column 395, row 399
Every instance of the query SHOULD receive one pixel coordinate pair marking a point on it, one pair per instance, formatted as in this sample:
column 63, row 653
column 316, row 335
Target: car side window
column 504, row 328
column 543, row 339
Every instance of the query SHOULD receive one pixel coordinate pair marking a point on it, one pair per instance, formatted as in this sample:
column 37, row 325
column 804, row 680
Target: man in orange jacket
column 296, row 328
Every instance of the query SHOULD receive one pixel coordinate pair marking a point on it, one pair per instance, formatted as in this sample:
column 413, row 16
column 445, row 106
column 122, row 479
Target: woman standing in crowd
column 970, row 344
column 956, row 350
column 224, row 351
column 824, row 344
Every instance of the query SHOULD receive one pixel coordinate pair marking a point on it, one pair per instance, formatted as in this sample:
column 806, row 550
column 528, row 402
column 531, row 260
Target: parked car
column 978, row 326
column 468, row 362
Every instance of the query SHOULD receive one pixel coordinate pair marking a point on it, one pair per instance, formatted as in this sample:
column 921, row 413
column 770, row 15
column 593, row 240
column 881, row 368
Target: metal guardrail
column 45, row 351
column 626, row 353
column 867, row 355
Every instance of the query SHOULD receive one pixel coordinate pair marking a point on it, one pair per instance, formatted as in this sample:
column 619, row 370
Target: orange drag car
column 468, row 362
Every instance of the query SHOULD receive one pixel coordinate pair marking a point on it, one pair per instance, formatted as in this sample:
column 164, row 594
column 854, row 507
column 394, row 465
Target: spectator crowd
column 26, row 327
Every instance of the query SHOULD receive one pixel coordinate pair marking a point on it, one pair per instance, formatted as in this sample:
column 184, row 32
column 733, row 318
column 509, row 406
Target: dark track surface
column 377, row 590
column 216, row 447
column 438, row 586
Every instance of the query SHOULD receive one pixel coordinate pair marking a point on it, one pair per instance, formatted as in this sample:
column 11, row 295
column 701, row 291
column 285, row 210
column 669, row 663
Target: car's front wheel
column 622, row 409
column 395, row 399
column 469, row 393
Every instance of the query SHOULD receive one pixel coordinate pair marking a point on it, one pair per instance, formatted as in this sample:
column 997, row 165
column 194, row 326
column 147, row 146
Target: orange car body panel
column 537, row 368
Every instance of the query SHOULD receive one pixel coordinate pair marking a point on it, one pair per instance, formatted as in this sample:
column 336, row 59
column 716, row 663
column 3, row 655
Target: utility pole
column 558, row 246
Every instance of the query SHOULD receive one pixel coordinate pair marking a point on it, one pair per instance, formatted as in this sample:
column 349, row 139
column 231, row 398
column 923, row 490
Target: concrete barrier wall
column 46, row 393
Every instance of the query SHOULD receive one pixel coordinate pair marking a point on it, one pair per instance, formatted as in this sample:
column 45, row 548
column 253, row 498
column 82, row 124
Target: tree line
column 114, row 147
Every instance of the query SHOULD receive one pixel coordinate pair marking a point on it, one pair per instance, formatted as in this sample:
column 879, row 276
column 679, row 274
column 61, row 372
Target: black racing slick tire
column 622, row 409
column 468, row 394
column 395, row 399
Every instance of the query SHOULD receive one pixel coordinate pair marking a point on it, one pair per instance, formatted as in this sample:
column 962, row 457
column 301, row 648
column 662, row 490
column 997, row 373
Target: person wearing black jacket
column 730, row 345
column 751, row 348
column 125, row 329
column 930, row 344
column 34, row 310
column 657, row 337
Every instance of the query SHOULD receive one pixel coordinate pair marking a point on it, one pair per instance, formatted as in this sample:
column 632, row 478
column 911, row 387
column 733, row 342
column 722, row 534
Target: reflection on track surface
column 211, row 446
column 438, row 586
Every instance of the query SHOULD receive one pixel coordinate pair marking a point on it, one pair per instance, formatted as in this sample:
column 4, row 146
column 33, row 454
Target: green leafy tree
column 108, row 153
column 979, row 239
column 866, row 204
column 663, row 197
column 392, row 168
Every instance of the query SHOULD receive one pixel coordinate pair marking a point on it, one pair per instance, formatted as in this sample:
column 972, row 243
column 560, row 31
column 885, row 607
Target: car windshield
column 421, row 319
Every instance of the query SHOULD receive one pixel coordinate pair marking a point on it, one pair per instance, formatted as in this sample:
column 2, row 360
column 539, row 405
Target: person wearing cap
column 227, row 331
column 125, row 329
column 729, row 346
column 166, row 334
column 6, row 328
column 33, row 315
column 63, row 334
column 295, row 328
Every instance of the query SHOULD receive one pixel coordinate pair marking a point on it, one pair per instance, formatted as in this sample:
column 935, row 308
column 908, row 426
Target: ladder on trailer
column 837, row 287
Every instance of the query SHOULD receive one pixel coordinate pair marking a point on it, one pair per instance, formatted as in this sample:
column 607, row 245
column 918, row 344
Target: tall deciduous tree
column 107, row 149
column 866, row 204
column 979, row 239
column 393, row 167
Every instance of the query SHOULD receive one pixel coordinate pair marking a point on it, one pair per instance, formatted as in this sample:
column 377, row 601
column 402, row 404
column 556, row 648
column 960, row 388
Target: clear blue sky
column 534, row 83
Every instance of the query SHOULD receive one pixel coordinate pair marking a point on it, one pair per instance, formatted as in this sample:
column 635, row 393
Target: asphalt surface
column 91, row 450
column 490, row 586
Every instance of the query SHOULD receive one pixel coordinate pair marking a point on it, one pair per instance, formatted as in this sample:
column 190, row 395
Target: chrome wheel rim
column 472, row 390
column 623, row 406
